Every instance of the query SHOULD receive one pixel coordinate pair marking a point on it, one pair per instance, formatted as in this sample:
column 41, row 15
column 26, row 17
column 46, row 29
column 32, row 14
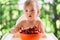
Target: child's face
column 31, row 11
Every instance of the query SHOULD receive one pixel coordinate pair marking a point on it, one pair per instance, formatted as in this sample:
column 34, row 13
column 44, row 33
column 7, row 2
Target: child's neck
column 31, row 21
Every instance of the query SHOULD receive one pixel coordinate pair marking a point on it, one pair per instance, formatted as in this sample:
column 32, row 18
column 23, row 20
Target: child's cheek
column 26, row 14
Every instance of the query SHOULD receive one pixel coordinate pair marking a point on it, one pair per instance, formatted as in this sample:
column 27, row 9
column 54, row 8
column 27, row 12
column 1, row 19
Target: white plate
column 9, row 36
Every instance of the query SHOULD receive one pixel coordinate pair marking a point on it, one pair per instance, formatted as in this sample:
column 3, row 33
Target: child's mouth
column 30, row 16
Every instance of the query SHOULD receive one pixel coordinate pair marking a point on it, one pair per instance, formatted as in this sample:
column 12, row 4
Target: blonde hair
column 27, row 2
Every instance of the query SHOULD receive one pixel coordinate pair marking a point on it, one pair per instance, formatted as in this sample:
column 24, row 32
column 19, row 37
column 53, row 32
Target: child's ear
column 38, row 12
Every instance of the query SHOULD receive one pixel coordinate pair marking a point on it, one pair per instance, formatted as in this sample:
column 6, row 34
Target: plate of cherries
column 33, row 30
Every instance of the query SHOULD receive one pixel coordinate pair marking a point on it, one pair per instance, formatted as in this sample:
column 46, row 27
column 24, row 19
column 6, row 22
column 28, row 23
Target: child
column 31, row 10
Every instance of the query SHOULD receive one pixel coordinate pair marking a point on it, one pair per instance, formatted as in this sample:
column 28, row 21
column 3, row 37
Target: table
column 9, row 36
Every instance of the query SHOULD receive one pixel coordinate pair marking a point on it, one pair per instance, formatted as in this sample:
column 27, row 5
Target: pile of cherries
column 33, row 30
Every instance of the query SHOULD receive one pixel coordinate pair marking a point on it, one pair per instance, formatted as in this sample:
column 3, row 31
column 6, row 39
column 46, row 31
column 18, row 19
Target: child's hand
column 16, row 34
column 44, row 36
column 13, row 31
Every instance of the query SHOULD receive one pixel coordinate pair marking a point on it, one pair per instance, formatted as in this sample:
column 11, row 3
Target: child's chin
column 30, row 19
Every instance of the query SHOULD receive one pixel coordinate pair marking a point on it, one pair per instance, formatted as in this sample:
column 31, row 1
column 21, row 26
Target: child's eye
column 26, row 10
column 32, row 10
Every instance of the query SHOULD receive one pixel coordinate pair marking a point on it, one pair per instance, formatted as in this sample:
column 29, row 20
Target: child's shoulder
column 39, row 22
column 21, row 22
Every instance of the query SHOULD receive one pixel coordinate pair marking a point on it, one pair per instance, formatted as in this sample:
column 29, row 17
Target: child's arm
column 41, row 27
column 16, row 28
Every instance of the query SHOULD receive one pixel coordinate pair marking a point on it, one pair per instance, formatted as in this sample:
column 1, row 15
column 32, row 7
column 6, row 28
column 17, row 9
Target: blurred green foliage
column 9, row 13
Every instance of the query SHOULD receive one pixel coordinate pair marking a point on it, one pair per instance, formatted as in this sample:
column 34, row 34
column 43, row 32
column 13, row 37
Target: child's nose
column 29, row 13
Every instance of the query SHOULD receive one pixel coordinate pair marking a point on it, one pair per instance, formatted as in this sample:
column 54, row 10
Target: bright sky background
column 21, row 3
